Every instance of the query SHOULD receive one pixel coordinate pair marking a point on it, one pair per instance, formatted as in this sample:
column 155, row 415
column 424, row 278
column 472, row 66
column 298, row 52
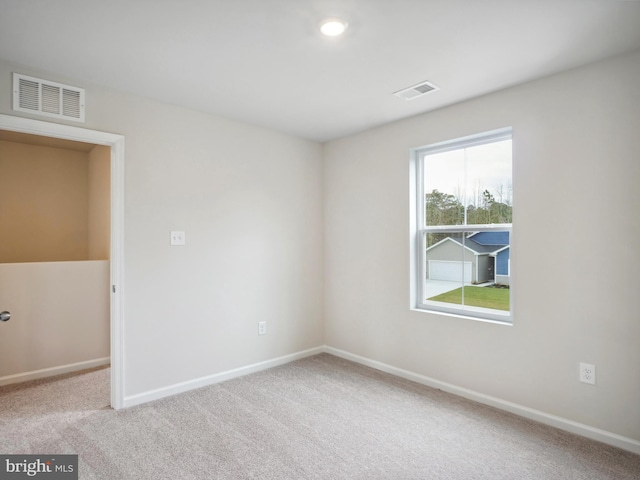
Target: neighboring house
column 483, row 258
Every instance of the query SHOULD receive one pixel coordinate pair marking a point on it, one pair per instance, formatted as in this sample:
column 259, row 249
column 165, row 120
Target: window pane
column 444, row 188
column 469, row 270
column 476, row 178
column 490, row 288
column 446, row 267
column 466, row 192
column 488, row 186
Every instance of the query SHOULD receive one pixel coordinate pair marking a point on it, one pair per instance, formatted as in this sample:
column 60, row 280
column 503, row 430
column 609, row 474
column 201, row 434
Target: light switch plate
column 177, row 238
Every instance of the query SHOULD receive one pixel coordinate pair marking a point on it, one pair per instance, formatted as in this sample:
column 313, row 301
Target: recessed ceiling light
column 332, row 27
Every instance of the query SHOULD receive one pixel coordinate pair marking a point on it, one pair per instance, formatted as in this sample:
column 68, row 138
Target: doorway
column 116, row 260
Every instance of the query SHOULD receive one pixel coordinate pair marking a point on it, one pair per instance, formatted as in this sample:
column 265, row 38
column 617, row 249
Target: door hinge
column 113, row 288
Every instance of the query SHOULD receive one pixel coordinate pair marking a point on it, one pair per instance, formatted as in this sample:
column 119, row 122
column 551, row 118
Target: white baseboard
column 50, row 372
column 159, row 393
column 593, row 433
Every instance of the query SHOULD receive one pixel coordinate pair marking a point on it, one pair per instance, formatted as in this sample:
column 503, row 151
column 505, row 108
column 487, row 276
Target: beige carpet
column 317, row 418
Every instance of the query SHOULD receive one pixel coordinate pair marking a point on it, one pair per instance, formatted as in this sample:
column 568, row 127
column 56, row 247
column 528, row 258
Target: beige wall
column 54, row 209
column 99, row 218
column 575, row 181
column 44, row 207
column 67, row 324
column 55, row 202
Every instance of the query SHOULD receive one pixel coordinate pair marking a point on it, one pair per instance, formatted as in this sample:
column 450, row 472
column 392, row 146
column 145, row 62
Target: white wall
column 575, row 257
column 249, row 200
column 251, row 203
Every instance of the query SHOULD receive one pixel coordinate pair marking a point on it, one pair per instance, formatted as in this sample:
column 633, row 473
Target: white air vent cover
column 51, row 99
column 416, row 91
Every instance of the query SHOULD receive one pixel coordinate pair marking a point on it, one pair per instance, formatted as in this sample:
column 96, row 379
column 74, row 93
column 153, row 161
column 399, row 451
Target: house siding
column 449, row 250
column 502, row 263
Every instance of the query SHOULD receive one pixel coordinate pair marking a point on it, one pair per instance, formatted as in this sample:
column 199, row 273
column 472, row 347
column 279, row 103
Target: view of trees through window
column 447, row 209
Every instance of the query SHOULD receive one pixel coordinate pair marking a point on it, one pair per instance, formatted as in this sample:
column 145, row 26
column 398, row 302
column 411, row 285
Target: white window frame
column 419, row 231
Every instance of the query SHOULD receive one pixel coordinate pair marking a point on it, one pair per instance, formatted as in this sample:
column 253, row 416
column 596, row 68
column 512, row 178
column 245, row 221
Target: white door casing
column 116, row 142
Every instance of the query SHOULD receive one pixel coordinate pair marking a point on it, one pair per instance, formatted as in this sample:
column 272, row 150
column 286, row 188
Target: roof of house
column 477, row 242
column 477, row 247
column 491, row 238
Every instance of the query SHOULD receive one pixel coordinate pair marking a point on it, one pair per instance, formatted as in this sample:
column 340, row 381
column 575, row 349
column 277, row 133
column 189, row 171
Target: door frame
column 116, row 142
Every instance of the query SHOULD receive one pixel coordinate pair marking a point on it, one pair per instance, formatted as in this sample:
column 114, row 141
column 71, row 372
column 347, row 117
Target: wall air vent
column 51, row 99
column 416, row 91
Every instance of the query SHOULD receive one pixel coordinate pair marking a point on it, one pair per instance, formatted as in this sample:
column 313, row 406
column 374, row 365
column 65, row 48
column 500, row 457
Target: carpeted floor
column 317, row 418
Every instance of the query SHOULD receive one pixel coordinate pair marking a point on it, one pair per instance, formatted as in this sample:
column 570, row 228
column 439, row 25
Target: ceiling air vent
column 416, row 91
column 51, row 99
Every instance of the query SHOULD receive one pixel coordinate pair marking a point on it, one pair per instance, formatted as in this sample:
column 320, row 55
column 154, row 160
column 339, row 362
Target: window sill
column 506, row 320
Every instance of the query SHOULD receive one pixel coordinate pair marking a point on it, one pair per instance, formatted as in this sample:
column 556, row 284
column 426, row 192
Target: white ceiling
column 265, row 62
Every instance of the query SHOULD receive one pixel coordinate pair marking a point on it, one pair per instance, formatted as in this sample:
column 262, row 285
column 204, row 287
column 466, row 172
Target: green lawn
column 487, row 297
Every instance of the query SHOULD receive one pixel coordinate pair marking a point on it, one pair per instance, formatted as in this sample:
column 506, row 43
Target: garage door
column 449, row 271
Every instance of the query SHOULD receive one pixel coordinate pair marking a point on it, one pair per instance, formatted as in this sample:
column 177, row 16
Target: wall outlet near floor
column 262, row 328
column 588, row 373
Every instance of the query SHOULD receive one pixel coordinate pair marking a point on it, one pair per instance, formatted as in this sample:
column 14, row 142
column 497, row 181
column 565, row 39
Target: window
column 462, row 226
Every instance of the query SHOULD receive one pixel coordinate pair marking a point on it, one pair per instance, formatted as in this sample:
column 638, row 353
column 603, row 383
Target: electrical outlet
column 262, row 328
column 588, row 373
column 177, row 238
